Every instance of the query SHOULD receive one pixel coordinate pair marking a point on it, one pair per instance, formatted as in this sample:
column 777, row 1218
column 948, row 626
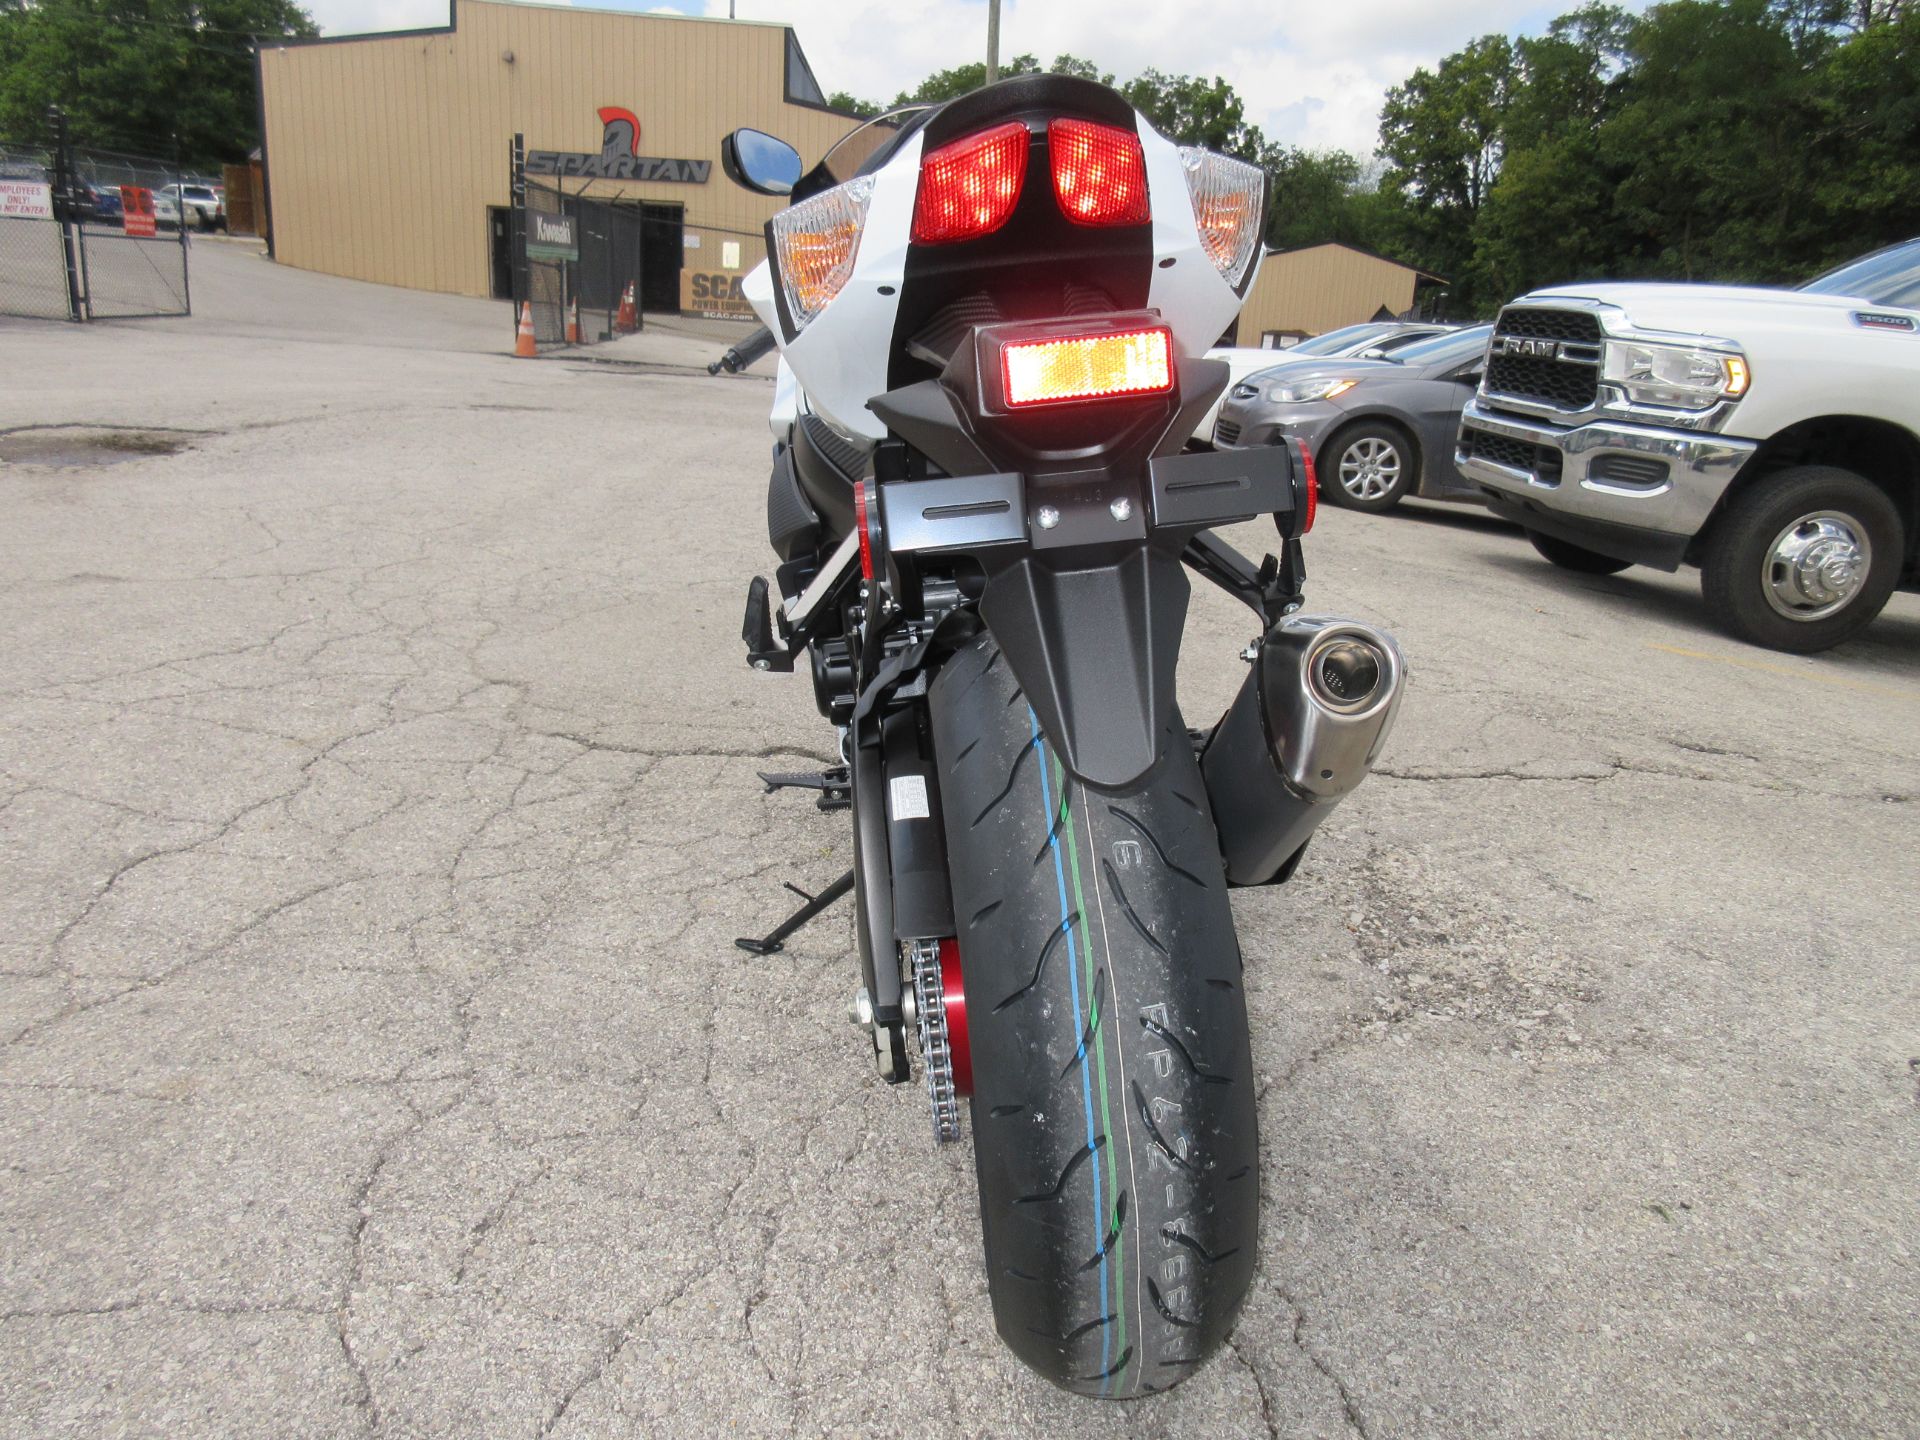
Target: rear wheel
column 1113, row 1105
column 1569, row 556
column 1804, row 559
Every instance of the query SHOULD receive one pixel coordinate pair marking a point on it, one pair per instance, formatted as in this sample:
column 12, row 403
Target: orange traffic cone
column 523, row 345
column 573, row 321
column 627, row 320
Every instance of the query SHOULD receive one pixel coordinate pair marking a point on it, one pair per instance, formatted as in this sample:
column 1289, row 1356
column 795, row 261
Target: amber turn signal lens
column 1088, row 367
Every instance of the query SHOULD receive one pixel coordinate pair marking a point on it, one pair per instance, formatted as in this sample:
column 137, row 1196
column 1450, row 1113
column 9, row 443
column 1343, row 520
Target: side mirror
column 757, row 161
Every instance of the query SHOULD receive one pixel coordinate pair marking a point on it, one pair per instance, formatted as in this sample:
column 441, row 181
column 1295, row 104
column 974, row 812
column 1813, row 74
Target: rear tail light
column 969, row 188
column 1229, row 207
column 816, row 242
column 1088, row 367
column 1099, row 173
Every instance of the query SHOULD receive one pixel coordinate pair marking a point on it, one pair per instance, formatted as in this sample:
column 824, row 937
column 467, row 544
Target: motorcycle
column 992, row 316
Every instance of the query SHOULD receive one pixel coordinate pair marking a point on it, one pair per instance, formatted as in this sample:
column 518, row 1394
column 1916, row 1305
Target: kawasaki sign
column 619, row 157
column 551, row 237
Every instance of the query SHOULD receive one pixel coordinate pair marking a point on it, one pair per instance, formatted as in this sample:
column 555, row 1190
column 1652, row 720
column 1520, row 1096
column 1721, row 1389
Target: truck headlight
column 1675, row 376
column 1298, row 391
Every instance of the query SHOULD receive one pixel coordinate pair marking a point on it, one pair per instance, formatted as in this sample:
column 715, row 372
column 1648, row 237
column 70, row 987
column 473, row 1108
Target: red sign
column 136, row 210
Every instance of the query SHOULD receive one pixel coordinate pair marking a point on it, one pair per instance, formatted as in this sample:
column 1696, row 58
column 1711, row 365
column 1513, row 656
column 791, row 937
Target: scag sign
column 713, row 293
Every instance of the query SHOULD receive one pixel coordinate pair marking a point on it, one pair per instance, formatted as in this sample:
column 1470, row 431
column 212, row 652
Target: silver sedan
column 1379, row 430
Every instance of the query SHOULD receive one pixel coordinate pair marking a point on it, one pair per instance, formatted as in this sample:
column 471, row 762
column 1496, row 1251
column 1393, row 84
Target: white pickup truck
column 1771, row 437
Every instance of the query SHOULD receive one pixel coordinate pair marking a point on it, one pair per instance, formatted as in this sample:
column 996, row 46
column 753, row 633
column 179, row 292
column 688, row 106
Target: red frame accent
column 945, row 171
column 953, row 993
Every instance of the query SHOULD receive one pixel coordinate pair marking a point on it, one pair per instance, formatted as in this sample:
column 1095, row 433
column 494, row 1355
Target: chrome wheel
column 1816, row 565
column 1370, row 468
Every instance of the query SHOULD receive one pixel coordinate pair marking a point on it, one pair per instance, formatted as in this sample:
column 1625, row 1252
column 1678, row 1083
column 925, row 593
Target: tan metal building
column 1299, row 293
column 387, row 156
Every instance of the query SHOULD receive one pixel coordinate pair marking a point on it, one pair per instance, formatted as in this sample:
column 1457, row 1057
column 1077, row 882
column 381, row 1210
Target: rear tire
column 1783, row 527
column 1577, row 558
column 1113, row 1106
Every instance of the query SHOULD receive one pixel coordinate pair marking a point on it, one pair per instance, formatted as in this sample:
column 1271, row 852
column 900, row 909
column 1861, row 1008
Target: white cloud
column 1310, row 74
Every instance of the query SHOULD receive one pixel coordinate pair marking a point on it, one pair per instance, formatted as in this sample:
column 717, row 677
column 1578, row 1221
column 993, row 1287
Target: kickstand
column 773, row 942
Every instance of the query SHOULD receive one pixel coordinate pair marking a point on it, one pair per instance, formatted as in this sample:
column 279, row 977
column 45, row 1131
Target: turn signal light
column 816, row 243
column 1099, row 173
column 969, row 188
column 1229, row 207
column 1088, row 367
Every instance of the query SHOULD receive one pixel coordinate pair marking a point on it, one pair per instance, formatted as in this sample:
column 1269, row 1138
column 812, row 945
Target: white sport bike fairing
column 992, row 316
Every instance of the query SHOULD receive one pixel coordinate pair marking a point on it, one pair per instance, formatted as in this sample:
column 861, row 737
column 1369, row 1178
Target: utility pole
column 993, row 41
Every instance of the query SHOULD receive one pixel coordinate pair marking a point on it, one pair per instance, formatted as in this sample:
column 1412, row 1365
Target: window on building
column 802, row 88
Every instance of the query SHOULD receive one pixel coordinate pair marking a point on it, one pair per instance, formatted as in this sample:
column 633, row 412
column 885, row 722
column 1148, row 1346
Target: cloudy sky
column 1312, row 74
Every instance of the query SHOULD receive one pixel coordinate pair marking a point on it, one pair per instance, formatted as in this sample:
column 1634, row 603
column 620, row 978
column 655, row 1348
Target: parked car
column 1771, row 437
column 1379, row 430
column 202, row 205
column 166, row 210
column 97, row 204
column 1374, row 337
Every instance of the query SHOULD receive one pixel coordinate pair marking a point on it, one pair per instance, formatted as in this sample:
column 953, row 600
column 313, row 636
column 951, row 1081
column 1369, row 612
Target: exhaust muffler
column 1303, row 731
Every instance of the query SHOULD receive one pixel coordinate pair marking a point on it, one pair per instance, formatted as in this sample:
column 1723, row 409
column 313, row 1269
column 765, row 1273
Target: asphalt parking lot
column 377, row 808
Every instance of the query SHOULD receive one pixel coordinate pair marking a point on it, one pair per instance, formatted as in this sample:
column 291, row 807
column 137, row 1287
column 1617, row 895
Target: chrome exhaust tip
column 1305, row 729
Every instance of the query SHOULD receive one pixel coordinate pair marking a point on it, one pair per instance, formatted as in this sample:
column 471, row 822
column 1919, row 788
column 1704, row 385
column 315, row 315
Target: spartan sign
column 619, row 157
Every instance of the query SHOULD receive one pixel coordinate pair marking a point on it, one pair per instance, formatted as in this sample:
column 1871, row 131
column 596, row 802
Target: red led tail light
column 970, row 187
column 1099, row 173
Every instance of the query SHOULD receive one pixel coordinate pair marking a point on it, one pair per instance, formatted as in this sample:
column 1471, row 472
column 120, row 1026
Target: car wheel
column 1370, row 465
column 1577, row 558
column 1803, row 559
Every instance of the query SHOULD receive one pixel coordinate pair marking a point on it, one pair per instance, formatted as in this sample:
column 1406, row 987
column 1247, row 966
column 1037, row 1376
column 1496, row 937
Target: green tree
column 1713, row 182
column 1442, row 134
column 1196, row 111
column 1866, row 159
column 852, row 104
column 137, row 73
column 134, row 74
column 961, row 80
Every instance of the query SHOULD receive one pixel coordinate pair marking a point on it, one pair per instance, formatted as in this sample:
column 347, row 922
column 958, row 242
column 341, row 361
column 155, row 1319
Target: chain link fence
column 69, row 250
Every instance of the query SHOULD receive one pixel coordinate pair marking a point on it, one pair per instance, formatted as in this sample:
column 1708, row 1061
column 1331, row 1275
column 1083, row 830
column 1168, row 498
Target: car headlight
column 1675, row 376
column 1294, row 392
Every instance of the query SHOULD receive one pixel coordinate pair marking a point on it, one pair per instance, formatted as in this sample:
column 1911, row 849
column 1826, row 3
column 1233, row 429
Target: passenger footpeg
column 835, row 785
column 764, row 652
column 1304, row 730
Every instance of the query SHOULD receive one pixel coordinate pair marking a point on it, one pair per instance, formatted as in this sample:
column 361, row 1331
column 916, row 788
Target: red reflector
column 860, row 503
column 1088, row 367
column 1313, row 485
column 1099, row 173
column 969, row 188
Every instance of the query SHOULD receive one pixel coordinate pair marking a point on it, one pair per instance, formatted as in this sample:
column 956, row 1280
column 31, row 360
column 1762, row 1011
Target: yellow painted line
column 1789, row 672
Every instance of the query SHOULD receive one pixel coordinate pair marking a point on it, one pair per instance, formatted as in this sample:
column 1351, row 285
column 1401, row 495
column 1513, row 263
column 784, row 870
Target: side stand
column 774, row 941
